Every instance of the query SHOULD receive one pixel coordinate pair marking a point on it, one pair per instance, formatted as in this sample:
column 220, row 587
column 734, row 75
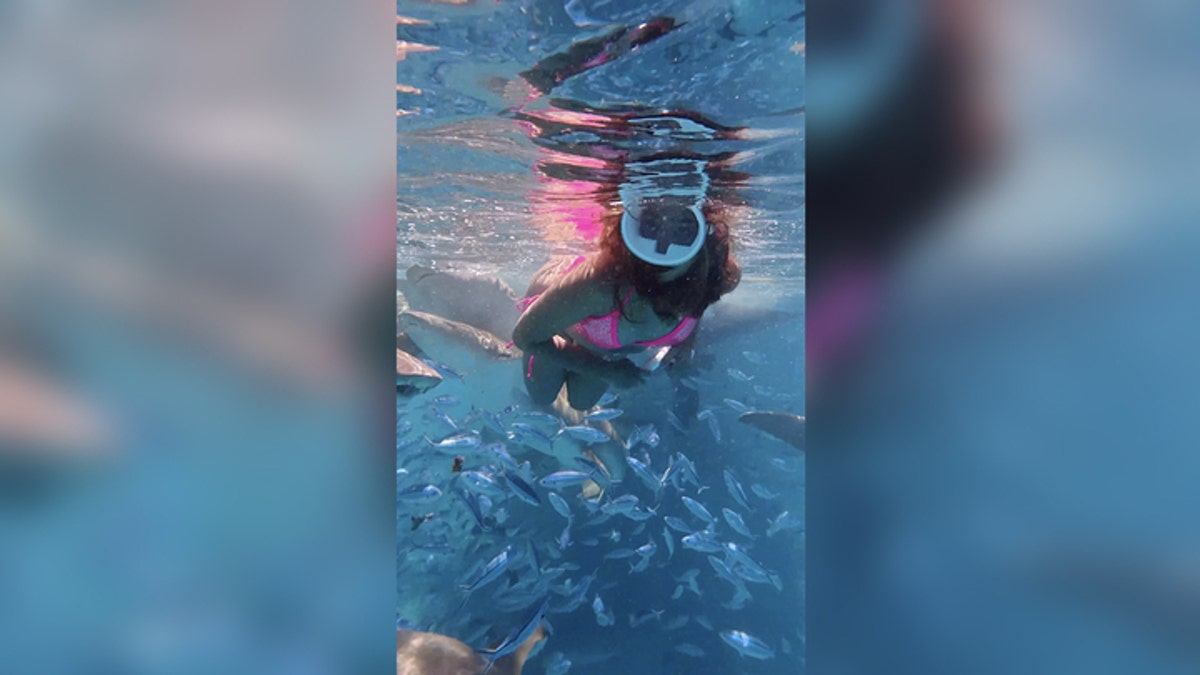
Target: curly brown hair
column 713, row 273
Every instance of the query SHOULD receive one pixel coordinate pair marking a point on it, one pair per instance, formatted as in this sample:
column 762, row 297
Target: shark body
column 420, row 653
column 786, row 427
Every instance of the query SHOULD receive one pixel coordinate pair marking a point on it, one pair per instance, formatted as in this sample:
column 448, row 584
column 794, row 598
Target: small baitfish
column 763, row 492
column 644, row 474
column 739, row 375
column 647, row 550
column 561, row 479
column 603, row 414
column 586, row 434
column 624, row 505
column 697, row 509
column 735, row 521
column 736, row 491
column 524, row 491
column 469, row 439
column 420, row 493
column 736, row 405
column 482, row 483
column 702, row 541
column 783, row 522
column 491, row 571
column 516, row 638
column 678, row 525
column 747, row 645
column 560, row 505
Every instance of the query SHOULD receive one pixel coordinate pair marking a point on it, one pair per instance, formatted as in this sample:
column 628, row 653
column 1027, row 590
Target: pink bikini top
column 601, row 331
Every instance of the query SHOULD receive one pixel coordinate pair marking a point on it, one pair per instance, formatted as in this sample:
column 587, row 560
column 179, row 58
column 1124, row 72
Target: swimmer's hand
column 624, row 375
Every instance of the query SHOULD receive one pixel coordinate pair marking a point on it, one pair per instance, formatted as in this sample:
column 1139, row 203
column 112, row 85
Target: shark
column 787, row 427
column 489, row 366
column 421, row 653
column 413, row 376
column 482, row 301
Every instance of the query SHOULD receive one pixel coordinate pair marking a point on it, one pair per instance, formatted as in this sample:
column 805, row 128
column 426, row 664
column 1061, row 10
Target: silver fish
column 516, row 638
column 491, row 571
column 561, row 479
column 443, row 417
column 560, row 505
column 501, row 453
column 603, row 414
column 689, row 578
column 739, row 375
column 474, row 508
column 641, row 514
column 636, row 620
column 738, row 554
column 736, row 491
column 688, row 649
column 531, row 436
column 419, row 494
column 687, row 470
column 784, row 521
column 639, row 566
column 697, row 509
column 644, row 474
column 763, row 492
column 469, row 439
column 524, row 491
column 647, row 550
column 747, row 645
column 586, row 434
column 492, row 421
column 481, row 482
column 702, row 541
column 735, row 521
column 621, row 505
column 736, row 405
column 677, row 525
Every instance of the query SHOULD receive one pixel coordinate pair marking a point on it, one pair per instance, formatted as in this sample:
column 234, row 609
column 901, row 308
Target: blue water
column 494, row 177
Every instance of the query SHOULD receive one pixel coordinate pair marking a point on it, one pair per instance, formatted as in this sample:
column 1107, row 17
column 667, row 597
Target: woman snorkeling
column 609, row 317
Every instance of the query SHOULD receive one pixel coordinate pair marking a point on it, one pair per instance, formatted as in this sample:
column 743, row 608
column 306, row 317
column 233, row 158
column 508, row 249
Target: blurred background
column 1001, row 282
column 195, row 259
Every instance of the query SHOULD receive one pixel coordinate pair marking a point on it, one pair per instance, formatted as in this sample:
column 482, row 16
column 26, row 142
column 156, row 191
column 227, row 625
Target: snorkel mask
column 663, row 223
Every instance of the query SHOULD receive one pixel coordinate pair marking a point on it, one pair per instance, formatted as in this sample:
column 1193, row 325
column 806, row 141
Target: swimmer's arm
column 558, row 308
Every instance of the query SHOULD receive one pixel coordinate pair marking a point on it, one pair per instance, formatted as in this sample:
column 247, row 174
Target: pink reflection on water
column 568, row 210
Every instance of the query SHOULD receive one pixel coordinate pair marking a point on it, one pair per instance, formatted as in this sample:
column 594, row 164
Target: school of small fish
column 682, row 544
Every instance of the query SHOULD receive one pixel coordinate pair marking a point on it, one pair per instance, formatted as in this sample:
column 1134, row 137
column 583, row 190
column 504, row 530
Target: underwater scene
column 647, row 516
